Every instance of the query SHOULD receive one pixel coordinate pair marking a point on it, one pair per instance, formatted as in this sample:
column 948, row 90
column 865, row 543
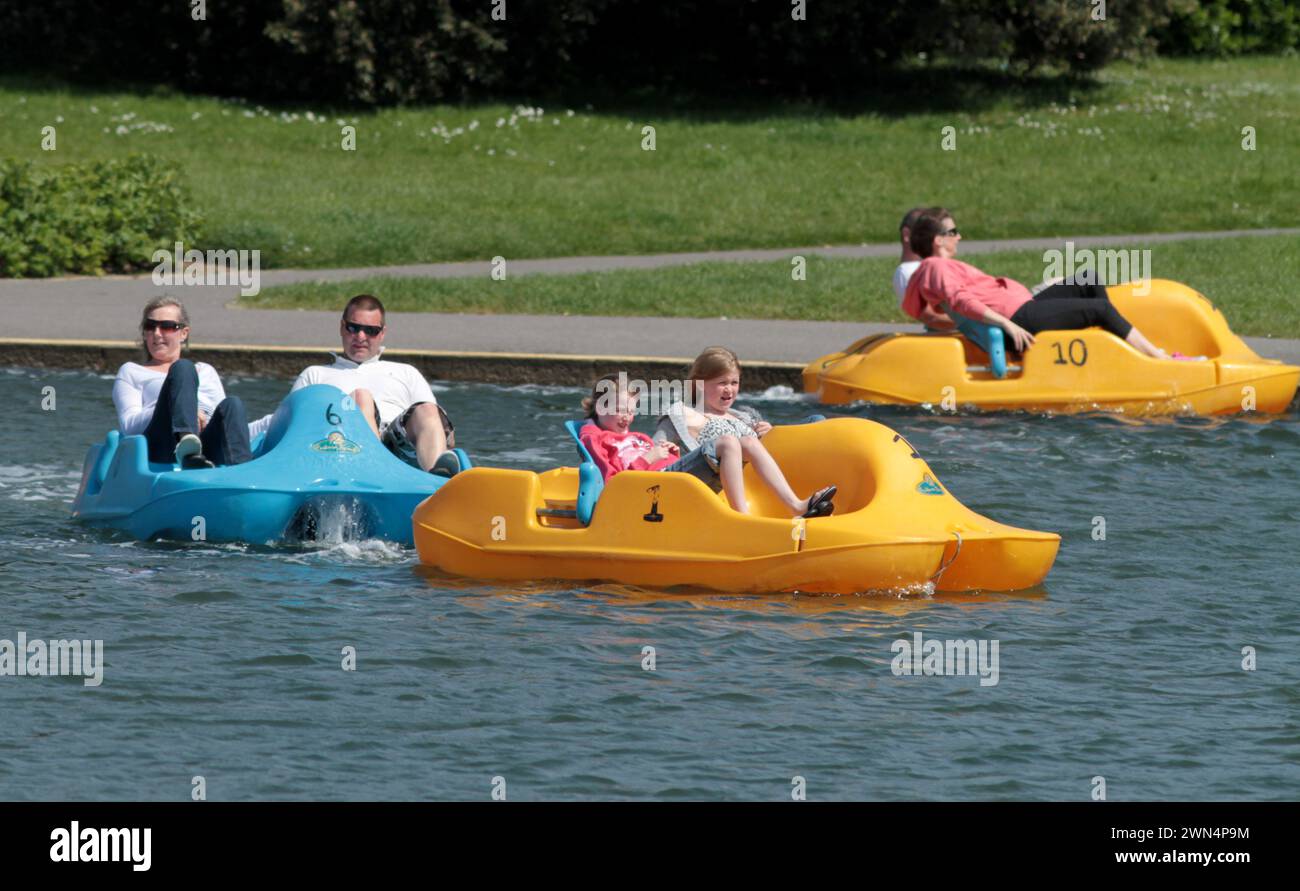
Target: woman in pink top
column 942, row 282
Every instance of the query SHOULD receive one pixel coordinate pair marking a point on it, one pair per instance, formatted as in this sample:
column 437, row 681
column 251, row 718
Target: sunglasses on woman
column 950, row 232
column 371, row 330
column 164, row 324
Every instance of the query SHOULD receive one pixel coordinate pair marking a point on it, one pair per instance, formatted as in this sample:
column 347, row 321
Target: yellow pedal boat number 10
column 895, row 525
column 1085, row 370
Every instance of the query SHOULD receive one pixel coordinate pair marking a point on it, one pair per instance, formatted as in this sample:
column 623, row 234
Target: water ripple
column 229, row 661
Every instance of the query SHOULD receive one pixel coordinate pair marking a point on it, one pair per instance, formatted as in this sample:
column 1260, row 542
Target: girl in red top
column 613, row 445
column 945, row 283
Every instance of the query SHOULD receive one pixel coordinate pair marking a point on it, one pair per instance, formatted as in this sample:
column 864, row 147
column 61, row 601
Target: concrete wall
column 286, row 362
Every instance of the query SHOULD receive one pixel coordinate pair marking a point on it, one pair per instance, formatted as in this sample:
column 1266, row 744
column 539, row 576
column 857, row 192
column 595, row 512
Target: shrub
column 1028, row 35
column 343, row 51
column 152, row 42
column 1231, row 27
column 105, row 216
column 382, row 52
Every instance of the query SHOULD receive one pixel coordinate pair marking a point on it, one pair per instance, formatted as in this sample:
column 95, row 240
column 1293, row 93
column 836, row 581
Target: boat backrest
column 103, row 459
column 988, row 338
column 590, row 480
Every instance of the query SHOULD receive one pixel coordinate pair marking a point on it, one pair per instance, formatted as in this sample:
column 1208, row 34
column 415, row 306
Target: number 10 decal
column 1077, row 352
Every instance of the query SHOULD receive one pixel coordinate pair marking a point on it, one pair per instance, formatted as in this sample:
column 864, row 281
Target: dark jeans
column 1066, row 307
column 225, row 438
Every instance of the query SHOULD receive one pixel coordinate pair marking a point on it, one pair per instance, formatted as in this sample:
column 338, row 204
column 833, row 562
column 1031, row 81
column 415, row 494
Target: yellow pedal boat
column 1068, row 371
column 894, row 526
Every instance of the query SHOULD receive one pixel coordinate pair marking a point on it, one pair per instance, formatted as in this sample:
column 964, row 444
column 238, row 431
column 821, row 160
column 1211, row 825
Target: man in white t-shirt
column 393, row 397
column 907, row 264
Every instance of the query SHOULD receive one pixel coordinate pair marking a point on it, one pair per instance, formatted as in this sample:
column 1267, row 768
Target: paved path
column 569, row 265
column 107, row 308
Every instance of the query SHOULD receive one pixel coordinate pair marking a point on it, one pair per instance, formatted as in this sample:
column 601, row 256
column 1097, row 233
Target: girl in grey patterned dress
column 730, row 437
column 715, row 428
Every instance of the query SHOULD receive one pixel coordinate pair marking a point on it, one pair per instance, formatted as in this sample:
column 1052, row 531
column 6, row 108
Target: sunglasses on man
column 371, row 330
column 950, row 232
column 164, row 324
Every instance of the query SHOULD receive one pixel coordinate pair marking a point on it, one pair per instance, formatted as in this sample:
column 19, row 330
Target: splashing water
column 331, row 520
column 782, row 393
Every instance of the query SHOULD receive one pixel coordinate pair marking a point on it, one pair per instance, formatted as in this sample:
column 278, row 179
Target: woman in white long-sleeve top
column 179, row 405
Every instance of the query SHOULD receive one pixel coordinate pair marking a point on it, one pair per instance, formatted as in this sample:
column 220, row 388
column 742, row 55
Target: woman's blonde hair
column 159, row 303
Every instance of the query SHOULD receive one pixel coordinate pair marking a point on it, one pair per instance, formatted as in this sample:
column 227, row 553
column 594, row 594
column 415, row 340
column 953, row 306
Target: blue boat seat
column 986, row 337
column 590, row 481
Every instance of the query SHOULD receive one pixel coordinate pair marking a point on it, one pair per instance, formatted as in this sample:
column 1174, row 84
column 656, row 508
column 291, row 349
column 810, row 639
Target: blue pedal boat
column 317, row 472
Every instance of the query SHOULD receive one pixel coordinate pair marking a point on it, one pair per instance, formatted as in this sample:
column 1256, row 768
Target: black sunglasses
column 952, row 231
column 371, row 330
column 165, row 324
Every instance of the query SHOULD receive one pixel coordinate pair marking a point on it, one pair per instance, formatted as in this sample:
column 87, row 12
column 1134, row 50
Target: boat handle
column 944, row 568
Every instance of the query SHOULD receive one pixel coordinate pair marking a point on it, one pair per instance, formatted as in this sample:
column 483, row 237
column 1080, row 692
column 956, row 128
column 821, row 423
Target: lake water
column 225, row 661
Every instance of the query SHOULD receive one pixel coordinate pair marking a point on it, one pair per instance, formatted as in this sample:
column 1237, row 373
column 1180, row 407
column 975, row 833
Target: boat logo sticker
column 929, row 486
column 336, row 442
column 654, row 516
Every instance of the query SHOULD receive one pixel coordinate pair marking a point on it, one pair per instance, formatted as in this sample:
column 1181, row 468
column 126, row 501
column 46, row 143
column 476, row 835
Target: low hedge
column 87, row 219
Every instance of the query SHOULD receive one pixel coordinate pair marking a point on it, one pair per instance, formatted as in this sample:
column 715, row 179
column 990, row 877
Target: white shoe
column 188, row 445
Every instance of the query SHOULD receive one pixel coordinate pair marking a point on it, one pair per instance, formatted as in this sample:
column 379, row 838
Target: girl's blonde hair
column 159, row 303
column 713, row 362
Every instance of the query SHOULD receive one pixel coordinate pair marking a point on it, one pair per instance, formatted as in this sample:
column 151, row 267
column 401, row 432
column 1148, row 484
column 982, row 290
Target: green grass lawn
column 1253, row 280
column 1146, row 149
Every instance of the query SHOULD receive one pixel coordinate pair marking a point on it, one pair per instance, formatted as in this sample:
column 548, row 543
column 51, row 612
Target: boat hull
column 895, row 526
column 319, row 472
column 1071, row 371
